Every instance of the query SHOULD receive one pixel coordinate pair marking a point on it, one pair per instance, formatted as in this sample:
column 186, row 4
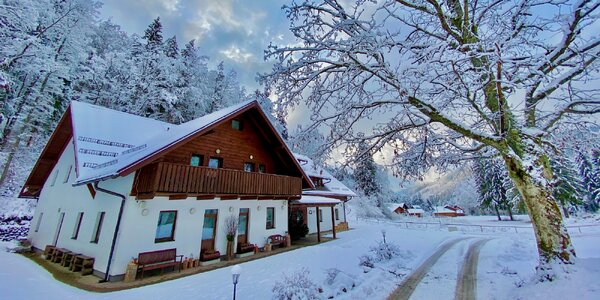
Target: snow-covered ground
column 506, row 266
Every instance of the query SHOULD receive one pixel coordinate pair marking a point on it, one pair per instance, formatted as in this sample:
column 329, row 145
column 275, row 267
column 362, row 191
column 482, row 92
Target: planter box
column 210, row 262
column 244, row 254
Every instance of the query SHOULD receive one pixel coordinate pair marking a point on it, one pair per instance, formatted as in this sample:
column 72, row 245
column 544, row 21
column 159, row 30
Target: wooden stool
column 49, row 251
column 67, row 259
column 58, row 254
column 83, row 264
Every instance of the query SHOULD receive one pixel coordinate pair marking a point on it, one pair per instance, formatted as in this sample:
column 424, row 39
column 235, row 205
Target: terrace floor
column 91, row 282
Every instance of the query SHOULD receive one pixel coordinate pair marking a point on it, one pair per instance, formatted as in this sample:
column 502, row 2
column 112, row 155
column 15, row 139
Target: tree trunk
column 497, row 212
column 565, row 211
column 509, row 210
column 532, row 179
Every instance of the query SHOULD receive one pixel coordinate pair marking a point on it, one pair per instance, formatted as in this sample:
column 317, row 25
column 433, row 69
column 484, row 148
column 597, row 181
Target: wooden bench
column 83, row 264
column 160, row 259
column 276, row 240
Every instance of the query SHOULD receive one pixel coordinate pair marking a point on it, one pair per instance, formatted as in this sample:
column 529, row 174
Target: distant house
column 448, row 211
column 327, row 201
column 398, row 208
column 406, row 209
column 111, row 185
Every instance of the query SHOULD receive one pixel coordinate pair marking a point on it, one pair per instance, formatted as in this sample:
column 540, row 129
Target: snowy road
column 408, row 285
column 466, row 284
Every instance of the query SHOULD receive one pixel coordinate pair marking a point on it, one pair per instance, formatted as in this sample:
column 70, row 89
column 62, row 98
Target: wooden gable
column 57, row 143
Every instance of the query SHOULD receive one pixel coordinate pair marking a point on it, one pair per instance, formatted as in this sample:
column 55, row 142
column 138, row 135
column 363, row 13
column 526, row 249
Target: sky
column 233, row 31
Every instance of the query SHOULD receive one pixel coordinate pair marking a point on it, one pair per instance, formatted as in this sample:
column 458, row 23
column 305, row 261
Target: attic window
column 236, row 124
column 197, row 160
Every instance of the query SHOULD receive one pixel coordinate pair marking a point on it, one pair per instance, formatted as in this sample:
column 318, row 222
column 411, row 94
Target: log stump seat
column 160, row 259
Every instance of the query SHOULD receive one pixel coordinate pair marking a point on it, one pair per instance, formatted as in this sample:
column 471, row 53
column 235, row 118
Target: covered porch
column 320, row 203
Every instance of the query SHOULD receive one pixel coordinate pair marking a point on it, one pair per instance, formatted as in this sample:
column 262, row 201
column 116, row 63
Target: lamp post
column 235, row 275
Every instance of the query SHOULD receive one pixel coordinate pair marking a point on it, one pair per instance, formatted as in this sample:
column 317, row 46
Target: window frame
column 66, row 180
column 200, row 159
column 98, row 227
column 320, row 214
column 240, row 126
column 263, row 167
column 219, row 161
column 272, row 209
column 172, row 236
column 39, row 222
column 78, row 221
column 337, row 213
column 252, row 166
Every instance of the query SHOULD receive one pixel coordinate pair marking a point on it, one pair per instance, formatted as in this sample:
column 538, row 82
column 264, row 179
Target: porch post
column 333, row 222
column 318, row 225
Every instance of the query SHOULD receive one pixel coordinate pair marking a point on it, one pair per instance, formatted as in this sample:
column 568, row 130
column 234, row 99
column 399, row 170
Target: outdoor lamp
column 235, row 275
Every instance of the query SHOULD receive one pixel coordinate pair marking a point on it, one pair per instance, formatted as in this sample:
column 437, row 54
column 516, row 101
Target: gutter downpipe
column 114, row 241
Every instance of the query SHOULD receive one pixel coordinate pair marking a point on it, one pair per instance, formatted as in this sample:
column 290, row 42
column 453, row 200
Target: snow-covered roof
column 308, row 199
column 108, row 141
column 442, row 209
column 394, row 206
column 415, row 211
column 333, row 186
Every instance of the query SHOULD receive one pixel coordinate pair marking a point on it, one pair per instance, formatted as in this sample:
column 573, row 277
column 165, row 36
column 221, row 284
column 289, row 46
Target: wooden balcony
column 178, row 180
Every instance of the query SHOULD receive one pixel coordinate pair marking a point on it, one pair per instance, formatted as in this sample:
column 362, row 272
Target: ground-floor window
column 39, row 222
column 165, row 229
column 337, row 214
column 209, row 230
column 98, row 227
column 270, row 217
column 77, row 225
column 320, row 214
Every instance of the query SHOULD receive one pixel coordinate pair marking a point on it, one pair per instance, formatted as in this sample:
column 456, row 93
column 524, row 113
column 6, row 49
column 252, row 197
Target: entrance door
column 209, row 230
column 58, row 227
column 244, row 220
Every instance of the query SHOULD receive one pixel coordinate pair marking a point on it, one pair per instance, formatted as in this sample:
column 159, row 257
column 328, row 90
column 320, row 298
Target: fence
column 475, row 228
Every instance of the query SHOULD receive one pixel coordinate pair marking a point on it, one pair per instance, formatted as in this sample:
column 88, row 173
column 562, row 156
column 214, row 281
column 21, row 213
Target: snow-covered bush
column 297, row 286
column 337, row 283
column 385, row 251
column 366, row 261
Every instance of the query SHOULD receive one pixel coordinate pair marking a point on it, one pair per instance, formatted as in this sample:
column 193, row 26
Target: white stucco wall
column 326, row 222
column 138, row 231
column 63, row 197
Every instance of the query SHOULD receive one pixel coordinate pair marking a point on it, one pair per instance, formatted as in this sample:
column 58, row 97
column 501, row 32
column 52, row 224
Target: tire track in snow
column 466, row 283
column 409, row 284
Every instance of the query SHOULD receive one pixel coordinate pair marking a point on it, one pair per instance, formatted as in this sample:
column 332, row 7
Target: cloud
column 236, row 54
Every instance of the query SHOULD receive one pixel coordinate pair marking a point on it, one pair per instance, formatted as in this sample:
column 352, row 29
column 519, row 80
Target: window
column 318, row 182
column 77, row 225
column 98, row 228
column 215, row 162
column 249, row 167
column 337, row 214
column 68, row 174
column 270, row 217
column 262, row 168
column 236, row 124
column 54, row 178
column 165, row 229
column 197, row 160
column 320, row 215
column 39, row 222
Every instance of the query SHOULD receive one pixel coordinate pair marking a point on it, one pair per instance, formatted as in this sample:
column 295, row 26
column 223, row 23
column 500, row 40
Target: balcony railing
column 170, row 179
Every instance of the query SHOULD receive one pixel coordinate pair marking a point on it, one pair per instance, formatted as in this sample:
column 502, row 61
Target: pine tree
column 590, row 182
column 171, row 47
column 153, row 35
column 567, row 186
column 495, row 189
column 365, row 172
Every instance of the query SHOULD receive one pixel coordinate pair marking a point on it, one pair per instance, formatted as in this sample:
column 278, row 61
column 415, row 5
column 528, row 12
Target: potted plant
column 231, row 226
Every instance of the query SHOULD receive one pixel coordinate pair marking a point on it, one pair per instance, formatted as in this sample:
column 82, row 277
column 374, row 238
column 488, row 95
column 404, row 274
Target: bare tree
column 439, row 82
